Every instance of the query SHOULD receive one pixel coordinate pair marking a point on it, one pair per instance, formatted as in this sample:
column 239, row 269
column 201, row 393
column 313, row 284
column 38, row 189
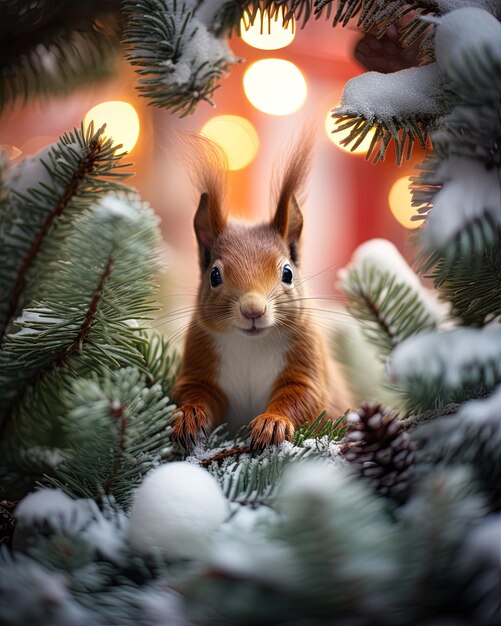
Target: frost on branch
column 469, row 192
column 387, row 296
column 410, row 93
column 179, row 55
column 399, row 106
column 439, row 367
column 492, row 6
column 466, row 47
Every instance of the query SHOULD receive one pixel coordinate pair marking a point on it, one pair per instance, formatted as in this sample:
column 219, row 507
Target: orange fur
column 250, row 260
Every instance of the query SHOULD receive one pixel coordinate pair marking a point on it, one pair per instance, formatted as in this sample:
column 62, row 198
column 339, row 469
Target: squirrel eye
column 287, row 275
column 215, row 277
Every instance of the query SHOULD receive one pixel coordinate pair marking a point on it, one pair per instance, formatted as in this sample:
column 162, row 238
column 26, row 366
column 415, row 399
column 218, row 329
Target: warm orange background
column 347, row 200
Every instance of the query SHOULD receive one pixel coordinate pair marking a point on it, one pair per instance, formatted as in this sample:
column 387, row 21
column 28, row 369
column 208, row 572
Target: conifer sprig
column 169, row 46
column 48, row 189
column 403, row 134
column 49, row 48
column 391, row 310
column 102, row 279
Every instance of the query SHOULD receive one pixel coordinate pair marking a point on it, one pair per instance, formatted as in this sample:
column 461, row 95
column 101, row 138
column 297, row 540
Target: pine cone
column 379, row 449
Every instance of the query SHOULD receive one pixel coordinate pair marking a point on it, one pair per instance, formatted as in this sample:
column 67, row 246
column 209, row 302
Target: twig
column 224, row 454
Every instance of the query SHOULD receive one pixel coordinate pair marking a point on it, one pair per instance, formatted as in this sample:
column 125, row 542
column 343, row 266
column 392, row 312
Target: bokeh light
column 275, row 86
column 268, row 32
column 236, row 136
column 121, row 119
column 337, row 137
column 400, row 201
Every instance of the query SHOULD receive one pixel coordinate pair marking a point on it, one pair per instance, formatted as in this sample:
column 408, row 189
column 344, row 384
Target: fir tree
column 379, row 518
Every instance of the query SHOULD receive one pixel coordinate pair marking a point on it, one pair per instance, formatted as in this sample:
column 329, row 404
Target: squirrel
column 252, row 353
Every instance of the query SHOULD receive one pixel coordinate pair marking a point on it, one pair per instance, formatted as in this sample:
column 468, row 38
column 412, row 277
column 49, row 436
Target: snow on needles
column 493, row 6
column 470, row 191
column 482, row 410
column 115, row 207
column 447, row 356
column 199, row 47
column 384, row 256
column 467, row 31
column 409, row 93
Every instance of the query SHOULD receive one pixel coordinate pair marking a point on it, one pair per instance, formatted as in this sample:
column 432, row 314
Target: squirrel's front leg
column 291, row 405
column 199, row 405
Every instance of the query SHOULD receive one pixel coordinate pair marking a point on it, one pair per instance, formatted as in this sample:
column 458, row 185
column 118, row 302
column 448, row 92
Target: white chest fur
column 248, row 369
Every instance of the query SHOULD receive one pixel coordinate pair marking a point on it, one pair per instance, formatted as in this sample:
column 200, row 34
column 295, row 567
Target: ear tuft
column 207, row 166
column 209, row 223
column 288, row 219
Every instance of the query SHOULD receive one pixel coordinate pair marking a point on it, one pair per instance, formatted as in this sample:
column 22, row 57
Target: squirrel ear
column 209, row 224
column 288, row 222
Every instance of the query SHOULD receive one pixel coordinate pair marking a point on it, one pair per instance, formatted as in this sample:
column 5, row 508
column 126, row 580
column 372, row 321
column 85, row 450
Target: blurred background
column 288, row 78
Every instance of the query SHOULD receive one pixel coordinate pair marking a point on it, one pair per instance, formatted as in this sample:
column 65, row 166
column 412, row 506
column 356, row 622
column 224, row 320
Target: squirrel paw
column 189, row 421
column 270, row 429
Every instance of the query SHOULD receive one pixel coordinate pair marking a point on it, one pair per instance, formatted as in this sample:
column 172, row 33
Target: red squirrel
column 252, row 353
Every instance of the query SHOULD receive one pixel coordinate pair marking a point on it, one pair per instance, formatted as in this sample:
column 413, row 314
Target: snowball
column 176, row 510
column 408, row 93
column 385, row 257
column 470, row 191
column 52, row 506
column 465, row 31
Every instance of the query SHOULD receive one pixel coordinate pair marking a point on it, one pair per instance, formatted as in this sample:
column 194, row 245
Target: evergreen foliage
column 52, row 47
column 390, row 309
column 85, row 387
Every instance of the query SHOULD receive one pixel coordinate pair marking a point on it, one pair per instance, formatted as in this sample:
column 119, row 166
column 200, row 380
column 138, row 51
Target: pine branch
column 330, row 430
column 390, row 309
column 48, row 48
column 470, row 437
column 161, row 360
column 36, row 594
column 61, row 182
column 103, row 280
column 180, row 59
column 116, row 429
column 434, row 525
column 472, row 284
column 380, row 15
column 472, row 66
column 460, row 199
column 435, row 368
column 400, row 108
column 402, row 134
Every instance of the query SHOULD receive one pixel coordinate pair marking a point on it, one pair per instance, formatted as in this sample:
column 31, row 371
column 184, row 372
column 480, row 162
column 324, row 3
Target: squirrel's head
column 250, row 279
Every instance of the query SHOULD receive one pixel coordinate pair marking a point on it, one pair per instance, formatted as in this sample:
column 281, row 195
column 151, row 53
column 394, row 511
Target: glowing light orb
column 275, row 86
column 121, row 119
column 268, row 32
column 400, row 199
column 337, row 138
column 236, row 136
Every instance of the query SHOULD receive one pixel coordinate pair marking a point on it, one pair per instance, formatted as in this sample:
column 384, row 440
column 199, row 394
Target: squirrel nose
column 252, row 306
